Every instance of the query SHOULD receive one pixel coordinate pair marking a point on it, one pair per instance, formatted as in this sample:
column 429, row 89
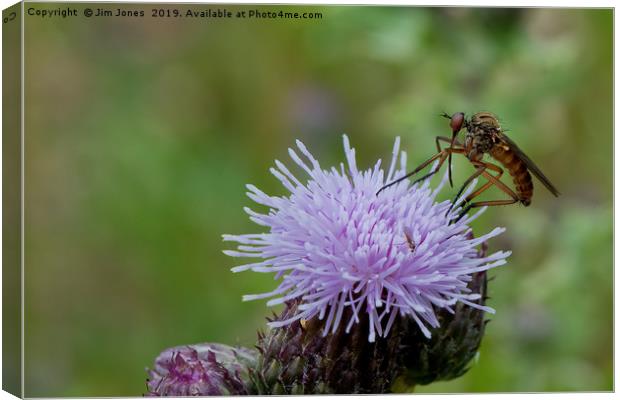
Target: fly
column 485, row 136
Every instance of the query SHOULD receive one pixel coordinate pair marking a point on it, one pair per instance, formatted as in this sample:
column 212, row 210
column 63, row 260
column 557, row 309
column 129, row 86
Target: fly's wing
column 530, row 164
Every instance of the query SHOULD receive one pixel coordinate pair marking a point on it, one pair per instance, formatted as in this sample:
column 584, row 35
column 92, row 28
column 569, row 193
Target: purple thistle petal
column 336, row 245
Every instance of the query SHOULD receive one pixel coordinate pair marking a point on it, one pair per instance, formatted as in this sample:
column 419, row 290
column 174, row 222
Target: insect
column 410, row 242
column 485, row 136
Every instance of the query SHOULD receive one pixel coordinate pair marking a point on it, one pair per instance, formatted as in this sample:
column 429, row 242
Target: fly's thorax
column 482, row 134
column 479, row 140
column 485, row 120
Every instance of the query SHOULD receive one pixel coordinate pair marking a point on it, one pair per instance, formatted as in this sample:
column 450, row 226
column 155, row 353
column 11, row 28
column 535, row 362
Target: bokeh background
column 141, row 133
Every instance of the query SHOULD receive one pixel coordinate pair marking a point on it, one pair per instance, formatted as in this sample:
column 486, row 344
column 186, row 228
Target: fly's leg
column 444, row 155
column 460, row 150
column 482, row 204
column 481, row 166
column 492, row 180
column 447, row 140
column 441, row 155
column 452, row 142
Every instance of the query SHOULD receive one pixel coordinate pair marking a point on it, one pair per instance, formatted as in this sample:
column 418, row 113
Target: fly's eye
column 456, row 121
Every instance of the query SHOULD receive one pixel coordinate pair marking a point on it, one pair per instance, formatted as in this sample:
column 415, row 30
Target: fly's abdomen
column 518, row 170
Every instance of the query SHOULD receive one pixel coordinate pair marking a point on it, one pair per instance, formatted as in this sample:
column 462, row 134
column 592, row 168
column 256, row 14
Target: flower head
column 338, row 245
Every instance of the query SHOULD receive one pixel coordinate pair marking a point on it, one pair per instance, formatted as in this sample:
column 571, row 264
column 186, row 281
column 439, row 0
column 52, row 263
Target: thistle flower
column 336, row 245
column 207, row 369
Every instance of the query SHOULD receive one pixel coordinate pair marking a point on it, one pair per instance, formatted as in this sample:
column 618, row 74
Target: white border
column 463, row 3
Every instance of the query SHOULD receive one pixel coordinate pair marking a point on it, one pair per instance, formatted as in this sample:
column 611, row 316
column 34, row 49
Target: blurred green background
column 141, row 133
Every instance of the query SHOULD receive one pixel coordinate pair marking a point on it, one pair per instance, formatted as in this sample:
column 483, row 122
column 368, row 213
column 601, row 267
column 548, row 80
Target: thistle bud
column 207, row 369
column 451, row 347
